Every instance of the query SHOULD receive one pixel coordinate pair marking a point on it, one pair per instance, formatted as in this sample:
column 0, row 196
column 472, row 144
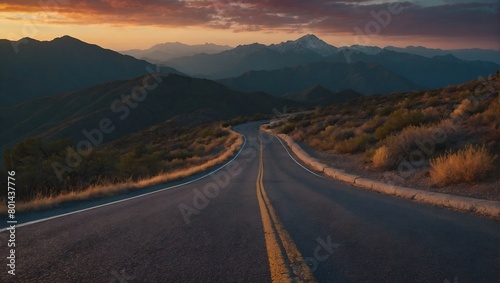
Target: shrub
column 368, row 156
column 288, row 128
column 320, row 144
column 492, row 113
column 418, row 142
column 372, row 124
column 353, row 145
column 343, row 134
column 465, row 107
column 386, row 110
column 431, row 114
column 381, row 158
column 409, row 139
column 470, row 164
column 397, row 121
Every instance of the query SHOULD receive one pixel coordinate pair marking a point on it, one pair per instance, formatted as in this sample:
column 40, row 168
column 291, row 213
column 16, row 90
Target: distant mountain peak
column 310, row 37
column 66, row 37
column 308, row 42
column 67, row 40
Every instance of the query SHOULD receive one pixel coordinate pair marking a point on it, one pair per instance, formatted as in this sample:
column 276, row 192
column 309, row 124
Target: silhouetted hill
column 69, row 114
column 319, row 95
column 361, row 77
column 41, row 68
column 428, row 73
column 474, row 54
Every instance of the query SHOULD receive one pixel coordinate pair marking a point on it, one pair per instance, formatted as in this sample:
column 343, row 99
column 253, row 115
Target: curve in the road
column 130, row 198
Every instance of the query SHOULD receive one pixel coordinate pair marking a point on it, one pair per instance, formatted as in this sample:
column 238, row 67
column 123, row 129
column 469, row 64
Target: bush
column 371, row 125
column 397, row 121
column 320, row 144
column 492, row 113
column 465, row 107
column 422, row 141
column 381, row 158
column 343, row 134
column 473, row 163
column 288, row 128
column 353, row 145
column 386, row 110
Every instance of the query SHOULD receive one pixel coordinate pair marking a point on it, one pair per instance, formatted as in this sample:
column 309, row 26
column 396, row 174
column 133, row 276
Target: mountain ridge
column 161, row 52
column 366, row 78
column 69, row 114
column 62, row 64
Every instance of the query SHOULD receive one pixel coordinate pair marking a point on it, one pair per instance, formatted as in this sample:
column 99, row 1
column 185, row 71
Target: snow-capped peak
column 308, row 42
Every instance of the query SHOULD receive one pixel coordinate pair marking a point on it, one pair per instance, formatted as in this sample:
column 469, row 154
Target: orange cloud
column 470, row 21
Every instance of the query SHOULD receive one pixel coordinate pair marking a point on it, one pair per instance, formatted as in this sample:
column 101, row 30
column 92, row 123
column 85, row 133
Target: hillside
column 474, row 54
column 366, row 78
column 41, row 68
column 68, row 114
column 429, row 73
column 445, row 140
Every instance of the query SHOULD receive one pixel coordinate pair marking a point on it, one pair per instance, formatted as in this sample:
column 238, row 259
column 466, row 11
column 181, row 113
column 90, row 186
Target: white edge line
column 134, row 197
column 317, row 175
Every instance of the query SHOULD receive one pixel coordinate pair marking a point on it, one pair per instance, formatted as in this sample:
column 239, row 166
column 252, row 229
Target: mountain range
column 70, row 114
column 421, row 72
column 170, row 50
column 68, row 64
column 65, row 88
column 366, row 78
column 474, row 54
column 41, row 68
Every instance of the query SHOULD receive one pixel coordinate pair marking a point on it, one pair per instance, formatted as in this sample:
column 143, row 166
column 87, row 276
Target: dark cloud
column 450, row 19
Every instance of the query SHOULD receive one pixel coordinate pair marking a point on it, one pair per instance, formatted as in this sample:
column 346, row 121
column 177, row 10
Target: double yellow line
column 285, row 260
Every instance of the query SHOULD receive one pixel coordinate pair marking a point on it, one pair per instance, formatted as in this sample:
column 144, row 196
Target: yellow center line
column 287, row 266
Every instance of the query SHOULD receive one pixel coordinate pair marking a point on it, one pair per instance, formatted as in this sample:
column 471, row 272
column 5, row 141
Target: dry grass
column 232, row 145
column 424, row 139
column 382, row 158
column 471, row 164
column 465, row 107
column 353, row 145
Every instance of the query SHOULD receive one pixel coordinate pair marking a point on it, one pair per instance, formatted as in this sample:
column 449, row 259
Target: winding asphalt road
column 261, row 218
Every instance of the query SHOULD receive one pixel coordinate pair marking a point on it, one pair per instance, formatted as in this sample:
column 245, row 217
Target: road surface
column 262, row 218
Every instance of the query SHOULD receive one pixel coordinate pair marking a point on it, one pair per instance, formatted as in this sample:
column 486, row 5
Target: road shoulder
column 465, row 204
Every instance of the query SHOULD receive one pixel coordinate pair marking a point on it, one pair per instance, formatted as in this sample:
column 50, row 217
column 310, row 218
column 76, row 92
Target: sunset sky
column 122, row 25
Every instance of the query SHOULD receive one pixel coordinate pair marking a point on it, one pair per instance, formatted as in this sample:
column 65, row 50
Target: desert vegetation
column 452, row 134
column 165, row 152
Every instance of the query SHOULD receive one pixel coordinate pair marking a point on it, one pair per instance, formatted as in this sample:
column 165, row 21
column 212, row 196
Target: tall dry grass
column 473, row 163
column 232, row 145
column 382, row 158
